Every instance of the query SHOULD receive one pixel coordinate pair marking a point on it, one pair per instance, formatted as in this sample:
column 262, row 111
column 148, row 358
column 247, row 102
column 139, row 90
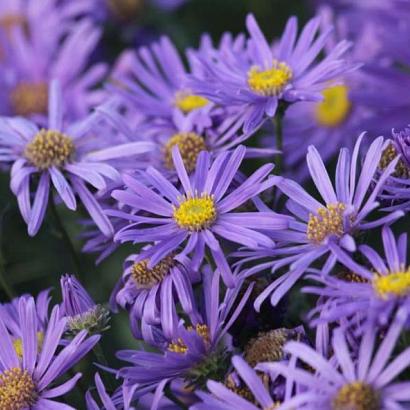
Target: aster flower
column 107, row 402
column 375, row 290
column 380, row 18
column 29, row 382
column 182, row 131
column 351, row 104
column 26, row 79
column 195, row 217
column 147, row 293
column 81, row 312
column 156, row 84
column 191, row 350
column 42, row 22
column 258, row 80
column 321, row 229
column 344, row 382
column 223, row 398
column 397, row 189
column 64, row 155
column 9, row 314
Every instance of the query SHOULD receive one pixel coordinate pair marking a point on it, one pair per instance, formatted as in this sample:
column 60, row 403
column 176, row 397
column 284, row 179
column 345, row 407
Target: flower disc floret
column 189, row 144
column 392, row 284
column 356, row 396
column 389, row 154
column 328, row 221
column 269, row 82
column 196, row 213
column 189, row 102
column 335, row 107
column 145, row 278
column 29, row 98
column 49, row 148
column 17, row 390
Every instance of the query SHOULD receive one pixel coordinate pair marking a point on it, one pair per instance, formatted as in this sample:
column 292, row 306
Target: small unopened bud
column 81, row 311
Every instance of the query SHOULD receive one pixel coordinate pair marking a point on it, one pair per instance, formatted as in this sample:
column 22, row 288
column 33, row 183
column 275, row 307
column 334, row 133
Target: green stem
column 66, row 238
column 171, row 396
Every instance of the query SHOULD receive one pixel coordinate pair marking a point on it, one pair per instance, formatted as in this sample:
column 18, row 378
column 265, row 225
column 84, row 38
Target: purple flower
column 29, row 381
column 156, row 84
column 107, row 402
column 396, row 192
column 9, row 314
column 192, row 350
column 148, row 292
column 68, row 156
column 79, row 308
column 26, row 77
column 373, row 291
column 351, row 104
column 259, row 79
column 195, row 217
column 347, row 382
column 322, row 229
column 223, row 398
column 384, row 22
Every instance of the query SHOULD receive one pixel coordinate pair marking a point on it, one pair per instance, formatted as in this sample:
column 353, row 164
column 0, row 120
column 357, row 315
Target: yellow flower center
column 49, row 148
column 335, row 107
column 393, row 284
column 189, row 102
column 18, row 344
column 189, row 145
column 389, row 154
column 180, row 347
column 195, row 213
column 17, row 390
column 328, row 221
column 145, row 278
column 29, row 98
column 270, row 82
column 356, row 396
column 125, row 9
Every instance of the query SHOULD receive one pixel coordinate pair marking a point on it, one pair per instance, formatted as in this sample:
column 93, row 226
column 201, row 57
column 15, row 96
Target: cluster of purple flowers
column 158, row 150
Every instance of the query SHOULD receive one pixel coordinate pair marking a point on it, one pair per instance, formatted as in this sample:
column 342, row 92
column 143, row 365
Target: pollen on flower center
column 328, row 221
column 335, row 107
column 18, row 344
column 267, row 347
column 356, row 396
column 189, row 102
column 389, row 154
column 179, row 345
column 17, row 390
column 269, row 82
column 393, row 284
column 29, row 98
column 196, row 213
column 145, row 278
column 49, row 148
column 189, row 144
